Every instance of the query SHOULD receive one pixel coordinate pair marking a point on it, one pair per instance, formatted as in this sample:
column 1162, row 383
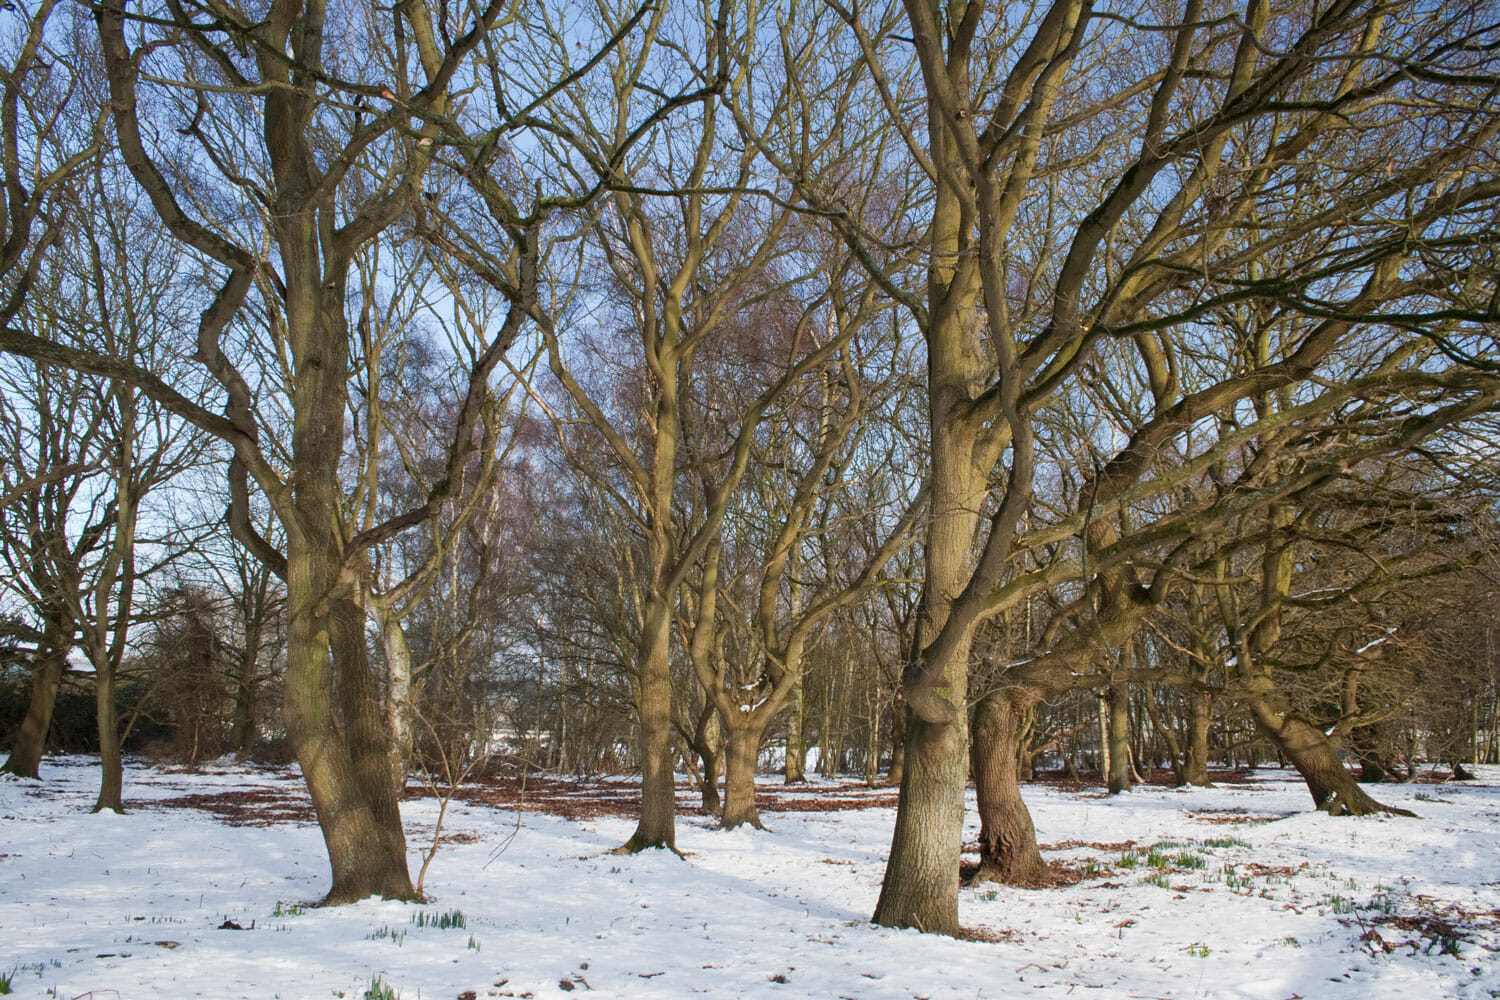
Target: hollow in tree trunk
column 30, row 741
column 1008, row 850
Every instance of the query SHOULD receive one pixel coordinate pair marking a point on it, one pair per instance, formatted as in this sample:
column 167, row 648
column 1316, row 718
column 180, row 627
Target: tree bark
column 894, row 776
column 1118, row 699
column 1316, row 758
column 400, row 703
column 30, row 741
column 111, row 764
column 1008, row 850
column 708, row 744
column 1200, row 717
column 796, row 737
column 739, row 775
column 361, row 828
column 657, row 826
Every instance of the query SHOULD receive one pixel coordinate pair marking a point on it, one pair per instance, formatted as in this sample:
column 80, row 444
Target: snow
column 131, row 906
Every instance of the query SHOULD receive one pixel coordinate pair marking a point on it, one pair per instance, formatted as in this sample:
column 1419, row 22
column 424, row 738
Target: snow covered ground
column 1253, row 897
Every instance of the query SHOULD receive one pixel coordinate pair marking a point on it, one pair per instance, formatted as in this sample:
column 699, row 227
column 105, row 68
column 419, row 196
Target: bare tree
column 1089, row 215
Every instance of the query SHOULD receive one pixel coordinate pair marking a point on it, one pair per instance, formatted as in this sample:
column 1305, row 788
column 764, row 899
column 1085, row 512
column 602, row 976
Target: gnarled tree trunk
column 1316, row 758
column 1008, row 850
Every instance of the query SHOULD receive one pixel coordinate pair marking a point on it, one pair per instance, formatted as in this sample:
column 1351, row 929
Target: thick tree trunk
column 921, row 880
column 111, row 764
column 1008, row 850
column 352, row 795
column 1316, row 758
column 657, row 826
column 796, row 737
column 1366, row 744
column 30, row 740
column 739, row 775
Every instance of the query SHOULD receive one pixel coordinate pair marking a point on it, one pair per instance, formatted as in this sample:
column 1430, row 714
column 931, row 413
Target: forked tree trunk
column 708, row 744
column 1008, row 850
column 30, row 741
column 657, row 826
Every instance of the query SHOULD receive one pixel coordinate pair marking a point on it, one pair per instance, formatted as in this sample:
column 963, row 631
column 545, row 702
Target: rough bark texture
column 30, row 740
column 657, row 826
column 898, row 746
column 739, row 777
column 366, row 851
column 1008, row 850
column 921, row 882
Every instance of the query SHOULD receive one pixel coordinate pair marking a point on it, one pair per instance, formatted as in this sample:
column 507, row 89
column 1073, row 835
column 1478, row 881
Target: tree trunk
column 796, row 737
column 400, row 703
column 1118, row 699
column 246, row 702
column 739, row 774
column 1316, row 758
column 1200, row 717
column 111, row 765
column 353, row 795
column 30, row 741
column 921, row 878
column 1008, row 851
column 898, row 744
column 657, row 826
column 708, row 744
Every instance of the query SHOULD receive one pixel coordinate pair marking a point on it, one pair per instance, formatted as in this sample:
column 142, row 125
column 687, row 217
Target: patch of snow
column 132, row 906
